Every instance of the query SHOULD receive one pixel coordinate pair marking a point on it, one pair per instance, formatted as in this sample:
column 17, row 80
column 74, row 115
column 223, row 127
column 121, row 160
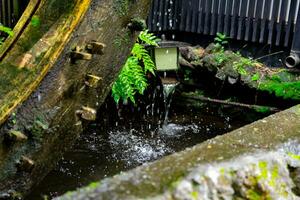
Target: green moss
column 38, row 127
column 220, row 58
column 257, row 194
column 253, row 195
column 174, row 184
column 195, row 195
column 240, row 66
column 121, row 7
column 35, row 21
column 222, row 171
column 39, row 58
column 7, row 77
column 263, row 166
column 56, row 9
column 294, row 156
column 35, row 35
column 274, row 176
column 122, row 40
column 40, row 24
column 263, row 109
column 94, row 185
column 286, row 90
column 117, row 42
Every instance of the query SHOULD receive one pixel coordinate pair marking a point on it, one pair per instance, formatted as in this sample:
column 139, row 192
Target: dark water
column 125, row 138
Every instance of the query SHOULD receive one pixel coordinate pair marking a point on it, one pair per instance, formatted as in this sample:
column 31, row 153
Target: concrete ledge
column 157, row 179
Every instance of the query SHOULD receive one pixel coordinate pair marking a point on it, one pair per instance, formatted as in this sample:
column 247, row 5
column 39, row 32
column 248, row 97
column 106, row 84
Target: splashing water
column 134, row 149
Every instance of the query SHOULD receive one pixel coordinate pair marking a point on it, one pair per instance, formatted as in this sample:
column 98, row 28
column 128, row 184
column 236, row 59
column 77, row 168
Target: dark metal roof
column 10, row 11
column 264, row 21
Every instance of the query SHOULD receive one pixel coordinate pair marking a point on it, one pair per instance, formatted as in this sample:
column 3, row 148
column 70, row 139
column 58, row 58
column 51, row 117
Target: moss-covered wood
column 232, row 67
column 31, row 57
column 38, row 71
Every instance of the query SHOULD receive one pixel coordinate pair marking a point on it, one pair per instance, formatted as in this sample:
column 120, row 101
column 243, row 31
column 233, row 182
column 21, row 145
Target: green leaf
column 255, row 77
column 148, row 38
column 132, row 79
column 35, row 21
column 242, row 71
column 221, row 39
column 6, row 30
column 224, row 42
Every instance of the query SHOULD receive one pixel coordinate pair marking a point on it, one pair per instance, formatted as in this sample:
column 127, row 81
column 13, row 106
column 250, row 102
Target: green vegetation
column 255, row 77
column 132, row 78
column 294, row 156
column 221, row 39
column 35, row 21
column 122, row 40
column 286, row 90
column 195, row 195
column 240, row 65
column 263, row 109
column 220, row 57
column 6, row 30
column 36, row 129
column 14, row 118
column 121, row 7
column 219, row 50
column 278, row 82
column 263, row 166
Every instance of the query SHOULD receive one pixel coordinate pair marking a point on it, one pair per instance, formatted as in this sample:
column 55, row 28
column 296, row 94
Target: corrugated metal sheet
column 264, row 21
column 11, row 10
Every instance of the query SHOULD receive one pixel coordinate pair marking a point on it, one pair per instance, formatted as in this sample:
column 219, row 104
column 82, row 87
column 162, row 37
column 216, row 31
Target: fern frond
column 6, row 30
column 142, row 54
column 149, row 65
column 139, row 51
column 132, row 78
column 148, row 38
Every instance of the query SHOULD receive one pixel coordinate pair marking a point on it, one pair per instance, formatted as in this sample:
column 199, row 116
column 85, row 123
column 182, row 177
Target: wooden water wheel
column 55, row 72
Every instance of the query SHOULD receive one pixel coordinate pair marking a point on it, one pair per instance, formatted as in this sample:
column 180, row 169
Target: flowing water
column 168, row 91
column 131, row 136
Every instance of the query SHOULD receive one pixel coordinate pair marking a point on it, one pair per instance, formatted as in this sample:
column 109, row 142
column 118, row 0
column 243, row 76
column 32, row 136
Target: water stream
column 168, row 91
column 127, row 137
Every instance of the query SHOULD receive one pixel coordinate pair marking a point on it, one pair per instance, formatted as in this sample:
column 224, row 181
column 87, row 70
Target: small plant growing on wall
column 221, row 39
column 132, row 79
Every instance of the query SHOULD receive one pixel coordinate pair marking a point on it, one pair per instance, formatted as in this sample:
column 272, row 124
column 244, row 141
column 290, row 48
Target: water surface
column 125, row 138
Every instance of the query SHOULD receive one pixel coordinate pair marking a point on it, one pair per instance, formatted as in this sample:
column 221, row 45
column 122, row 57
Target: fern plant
column 132, row 79
column 6, row 30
